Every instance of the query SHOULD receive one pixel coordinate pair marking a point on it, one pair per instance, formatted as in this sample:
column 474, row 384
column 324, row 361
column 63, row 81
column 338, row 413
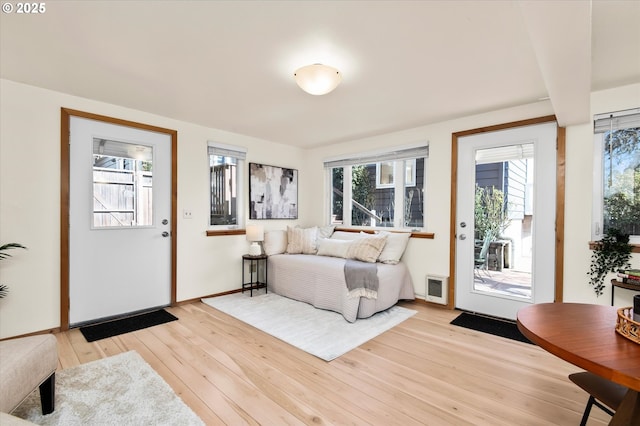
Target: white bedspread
column 319, row 281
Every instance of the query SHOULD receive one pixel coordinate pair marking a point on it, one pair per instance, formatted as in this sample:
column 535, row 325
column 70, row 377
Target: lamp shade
column 317, row 79
column 255, row 233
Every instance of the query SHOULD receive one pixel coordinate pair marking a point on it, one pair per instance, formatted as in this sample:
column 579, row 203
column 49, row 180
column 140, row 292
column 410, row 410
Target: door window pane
column 504, row 221
column 122, row 184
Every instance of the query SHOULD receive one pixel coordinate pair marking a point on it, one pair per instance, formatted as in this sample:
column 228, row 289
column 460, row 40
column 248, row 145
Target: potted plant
column 491, row 214
column 3, row 255
column 611, row 253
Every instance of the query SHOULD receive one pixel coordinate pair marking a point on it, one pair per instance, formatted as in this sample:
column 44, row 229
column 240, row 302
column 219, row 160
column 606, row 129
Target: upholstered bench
column 25, row 364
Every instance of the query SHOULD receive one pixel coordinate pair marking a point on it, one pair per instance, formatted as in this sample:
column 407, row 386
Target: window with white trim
column 226, row 184
column 617, row 174
column 366, row 189
column 385, row 172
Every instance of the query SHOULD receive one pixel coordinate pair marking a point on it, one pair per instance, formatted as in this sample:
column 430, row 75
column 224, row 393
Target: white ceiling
column 229, row 64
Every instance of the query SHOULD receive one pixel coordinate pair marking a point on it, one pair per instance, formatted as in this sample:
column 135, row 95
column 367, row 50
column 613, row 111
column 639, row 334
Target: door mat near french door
column 496, row 326
column 126, row 325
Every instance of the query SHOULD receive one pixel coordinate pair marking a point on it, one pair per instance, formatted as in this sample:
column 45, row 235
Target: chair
column 480, row 261
column 27, row 363
column 602, row 393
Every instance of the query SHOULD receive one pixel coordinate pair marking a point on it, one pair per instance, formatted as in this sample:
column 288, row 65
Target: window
column 617, row 174
column 226, row 165
column 122, row 184
column 365, row 190
column 385, row 172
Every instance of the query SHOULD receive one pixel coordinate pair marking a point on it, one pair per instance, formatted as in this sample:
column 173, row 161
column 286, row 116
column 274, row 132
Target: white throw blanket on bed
column 361, row 279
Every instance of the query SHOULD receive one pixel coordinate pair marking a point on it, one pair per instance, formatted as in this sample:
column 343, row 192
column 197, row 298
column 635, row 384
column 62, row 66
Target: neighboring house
column 513, row 178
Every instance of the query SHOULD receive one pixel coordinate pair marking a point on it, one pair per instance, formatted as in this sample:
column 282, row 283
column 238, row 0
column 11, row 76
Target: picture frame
column 273, row 192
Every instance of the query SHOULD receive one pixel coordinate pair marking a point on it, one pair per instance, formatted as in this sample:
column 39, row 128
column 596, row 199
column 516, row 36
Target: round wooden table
column 585, row 336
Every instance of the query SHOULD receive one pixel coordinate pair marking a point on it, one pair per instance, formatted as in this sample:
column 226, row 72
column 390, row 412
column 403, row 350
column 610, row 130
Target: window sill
column 426, row 235
column 635, row 249
column 223, row 232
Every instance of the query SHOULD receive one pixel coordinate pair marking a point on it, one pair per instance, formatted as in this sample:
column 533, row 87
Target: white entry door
column 505, row 220
column 119, row 220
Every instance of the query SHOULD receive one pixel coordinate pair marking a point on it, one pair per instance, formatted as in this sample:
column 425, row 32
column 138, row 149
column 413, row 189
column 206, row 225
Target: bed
column 320, row 281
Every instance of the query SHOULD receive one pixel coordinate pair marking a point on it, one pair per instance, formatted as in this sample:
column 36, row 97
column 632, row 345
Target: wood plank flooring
column 422, row 372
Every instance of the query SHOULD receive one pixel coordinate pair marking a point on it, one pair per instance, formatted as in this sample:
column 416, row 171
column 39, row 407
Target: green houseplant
column 490, row 213
column 3, row 255
column 611, row 253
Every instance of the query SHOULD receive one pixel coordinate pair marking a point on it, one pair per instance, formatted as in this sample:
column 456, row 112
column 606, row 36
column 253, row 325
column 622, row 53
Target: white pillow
column 344, row 235
column 334, row 248
column 301, row 240
column 394, row 247
column 367, row 249
column 275, row 242
column 325, row 231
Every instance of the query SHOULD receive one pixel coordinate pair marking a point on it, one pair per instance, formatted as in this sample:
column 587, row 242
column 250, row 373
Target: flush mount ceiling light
column 317, row 79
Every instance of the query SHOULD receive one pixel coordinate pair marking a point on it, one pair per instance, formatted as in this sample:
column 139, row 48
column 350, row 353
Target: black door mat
column 497, row 327
column 126, row 325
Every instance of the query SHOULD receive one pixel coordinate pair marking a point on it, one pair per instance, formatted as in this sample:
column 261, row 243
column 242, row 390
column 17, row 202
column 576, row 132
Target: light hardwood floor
column 422, row 372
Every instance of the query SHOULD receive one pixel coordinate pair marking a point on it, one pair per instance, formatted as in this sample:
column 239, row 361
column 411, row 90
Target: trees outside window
column 617, row 174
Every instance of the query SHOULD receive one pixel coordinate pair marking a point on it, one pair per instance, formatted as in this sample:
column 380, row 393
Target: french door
column 120, row 220
column 505, row 219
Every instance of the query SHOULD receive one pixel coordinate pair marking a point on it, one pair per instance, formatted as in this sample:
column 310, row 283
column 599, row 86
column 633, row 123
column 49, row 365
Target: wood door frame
column 560, row 199
column 65, row 173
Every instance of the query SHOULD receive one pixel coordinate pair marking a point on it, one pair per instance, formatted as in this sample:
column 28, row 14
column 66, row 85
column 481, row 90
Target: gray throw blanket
column 361, row 278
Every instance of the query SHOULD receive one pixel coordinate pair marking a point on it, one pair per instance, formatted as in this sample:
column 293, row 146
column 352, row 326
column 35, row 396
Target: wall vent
column 436, row 289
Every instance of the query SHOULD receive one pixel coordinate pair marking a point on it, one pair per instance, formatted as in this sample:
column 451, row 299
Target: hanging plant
column 611, row 253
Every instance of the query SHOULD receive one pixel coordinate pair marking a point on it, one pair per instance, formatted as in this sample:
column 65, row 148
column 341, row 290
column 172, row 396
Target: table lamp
column 255, row 235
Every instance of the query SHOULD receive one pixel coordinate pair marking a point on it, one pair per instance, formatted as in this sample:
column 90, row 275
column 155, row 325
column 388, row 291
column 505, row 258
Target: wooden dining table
column 584, row 335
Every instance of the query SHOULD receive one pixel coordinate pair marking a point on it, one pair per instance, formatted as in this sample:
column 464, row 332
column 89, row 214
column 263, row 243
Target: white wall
column 30, row 192
column 432, row 256
column 30, row 203
column 579, row 196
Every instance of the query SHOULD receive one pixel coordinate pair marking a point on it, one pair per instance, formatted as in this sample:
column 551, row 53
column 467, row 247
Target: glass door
column 506, row 220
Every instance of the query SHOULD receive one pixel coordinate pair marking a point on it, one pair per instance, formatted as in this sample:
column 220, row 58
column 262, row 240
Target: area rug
column 324, row 334
column 119, row 390
column 126, row 325
column 495, row 326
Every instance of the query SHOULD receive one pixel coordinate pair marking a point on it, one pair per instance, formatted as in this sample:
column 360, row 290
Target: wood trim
column 504, row 126
column 65, row 118
column 560, row 199
column 222, row 233
column 635, row 248
column 451, row 299
column 65, row 135
column 561, row 151
column 424, row 235
column 35, row 333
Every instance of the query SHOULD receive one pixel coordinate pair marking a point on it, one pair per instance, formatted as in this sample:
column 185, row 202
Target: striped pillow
column 302, row 240
column 367, row 249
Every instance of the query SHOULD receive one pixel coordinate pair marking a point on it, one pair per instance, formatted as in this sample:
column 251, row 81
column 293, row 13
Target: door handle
column 463, row 237
column 165, row 234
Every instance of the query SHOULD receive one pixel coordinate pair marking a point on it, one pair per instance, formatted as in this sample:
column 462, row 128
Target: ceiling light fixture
column 317, row 79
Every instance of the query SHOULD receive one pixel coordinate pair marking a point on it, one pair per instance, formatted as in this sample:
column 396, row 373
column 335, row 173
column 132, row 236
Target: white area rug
column 119, row 390
column 324, row 334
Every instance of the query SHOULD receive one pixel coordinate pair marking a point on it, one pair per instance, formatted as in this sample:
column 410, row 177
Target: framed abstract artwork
column 273, row 192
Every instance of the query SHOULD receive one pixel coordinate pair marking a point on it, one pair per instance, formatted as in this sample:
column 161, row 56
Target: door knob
column 463, row 237
column 165, row 234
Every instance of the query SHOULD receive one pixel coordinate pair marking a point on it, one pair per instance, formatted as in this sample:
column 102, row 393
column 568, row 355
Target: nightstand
column 615, row 283
column 255, row 268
